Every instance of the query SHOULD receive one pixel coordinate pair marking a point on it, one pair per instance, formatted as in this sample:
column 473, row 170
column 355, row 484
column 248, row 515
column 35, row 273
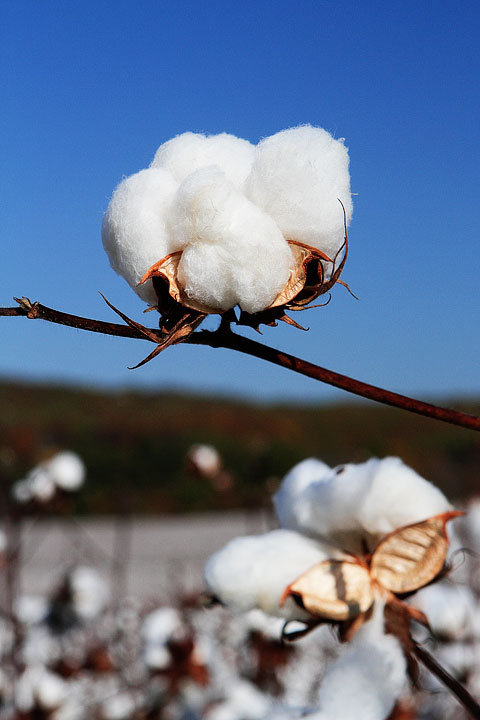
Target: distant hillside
column 134, row 443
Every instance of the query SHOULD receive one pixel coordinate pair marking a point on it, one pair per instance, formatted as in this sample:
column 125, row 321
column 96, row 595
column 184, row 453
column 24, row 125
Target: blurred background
column 89, row 92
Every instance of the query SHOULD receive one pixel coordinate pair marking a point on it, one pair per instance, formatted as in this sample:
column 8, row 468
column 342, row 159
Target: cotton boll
column 89, row 592
column 191, row 151
column 233, row 252
column 398, row 496
column 42, row 485
column 134, row 231
column 289, row 500
column 370, row 675
column 50, row 691
column 297, row 177
column 254, row 571
column 67, row 471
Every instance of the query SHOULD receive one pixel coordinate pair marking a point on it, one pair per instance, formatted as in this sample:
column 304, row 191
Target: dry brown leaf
column 412, row 556
column 333, row 589
column 167, row 268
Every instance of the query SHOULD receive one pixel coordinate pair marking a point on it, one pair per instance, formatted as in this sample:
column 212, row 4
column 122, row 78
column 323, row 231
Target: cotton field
column 86, row 648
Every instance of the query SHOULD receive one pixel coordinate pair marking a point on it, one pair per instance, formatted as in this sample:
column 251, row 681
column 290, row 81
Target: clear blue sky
column 91, row 89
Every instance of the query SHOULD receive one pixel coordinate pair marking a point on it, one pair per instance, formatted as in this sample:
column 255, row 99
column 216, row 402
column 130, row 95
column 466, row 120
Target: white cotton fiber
column 368, row 678
column 450, row 609
column 254, row 571
column 191, row 151
column 291, row 500
column 134, row 230
column 233, row 252
column 67, row 471
column 298, row 177
column 230, row 207
column 398, row 496
column 357, row 502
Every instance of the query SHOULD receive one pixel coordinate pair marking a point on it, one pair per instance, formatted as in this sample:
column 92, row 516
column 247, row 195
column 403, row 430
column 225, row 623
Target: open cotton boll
column 134, row 231
column 254, row 571
column 290, row 504
column 398, row 496
column 191, row 151
column 89, row 592
column 370, row 676
column 297, row 177
column 67, row 470
column 233, row 252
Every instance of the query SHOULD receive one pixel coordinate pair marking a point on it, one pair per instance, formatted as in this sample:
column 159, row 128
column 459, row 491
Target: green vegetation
column 134, row 444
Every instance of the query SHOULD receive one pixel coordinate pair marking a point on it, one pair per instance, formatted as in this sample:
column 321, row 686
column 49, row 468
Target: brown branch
column 224, row 338
column 460, row 692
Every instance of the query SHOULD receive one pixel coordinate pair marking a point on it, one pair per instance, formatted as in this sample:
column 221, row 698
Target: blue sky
column 91, row 89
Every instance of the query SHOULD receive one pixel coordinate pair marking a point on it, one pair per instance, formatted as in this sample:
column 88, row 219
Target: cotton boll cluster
column 356, row 503
column 254, row 571
column 63, row 473
column 230, row 208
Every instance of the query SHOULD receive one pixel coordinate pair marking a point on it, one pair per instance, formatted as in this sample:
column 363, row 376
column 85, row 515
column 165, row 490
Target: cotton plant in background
column 62, row 473
column 216, row 223
column 354, row 542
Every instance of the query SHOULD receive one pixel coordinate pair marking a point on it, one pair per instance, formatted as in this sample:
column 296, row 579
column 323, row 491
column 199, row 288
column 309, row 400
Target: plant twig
column 460, row 692
column 225, row 338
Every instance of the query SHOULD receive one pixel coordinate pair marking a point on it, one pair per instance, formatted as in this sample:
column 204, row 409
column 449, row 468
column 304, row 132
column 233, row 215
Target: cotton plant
column 216, row 224
column 63, row 473
column 353, row 543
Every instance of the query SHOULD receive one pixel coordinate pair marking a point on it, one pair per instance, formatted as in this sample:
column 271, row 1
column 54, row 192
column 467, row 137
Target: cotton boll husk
column 297, row 177
column 369, row 676
column 398, row 496
column 191, row 151
column 134, row 231
column 233, row 252
column 290, row 504
column 67, row 471
column 450, row 609
column 254, row 571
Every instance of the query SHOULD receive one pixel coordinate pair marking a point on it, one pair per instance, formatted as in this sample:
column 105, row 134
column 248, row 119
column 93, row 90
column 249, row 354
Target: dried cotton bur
column 354, row 544
column 216, row 223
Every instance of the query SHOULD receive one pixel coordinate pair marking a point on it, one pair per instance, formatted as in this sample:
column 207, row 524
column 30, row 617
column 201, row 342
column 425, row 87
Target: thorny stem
column 460, row 692
column 225, row 338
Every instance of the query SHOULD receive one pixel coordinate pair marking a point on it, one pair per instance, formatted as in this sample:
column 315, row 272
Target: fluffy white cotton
column 134, row 230
column 353, row 503
column 230, row 207
column 89, row 592
column 205, row 459
column 67, row 471
column 398, row 496
column 367, row 679
column 291, row 500
column 298, row 176
column 253, row 572
column 234, row 254
column 450, row 609
column 159, row 625
column 191, row 151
